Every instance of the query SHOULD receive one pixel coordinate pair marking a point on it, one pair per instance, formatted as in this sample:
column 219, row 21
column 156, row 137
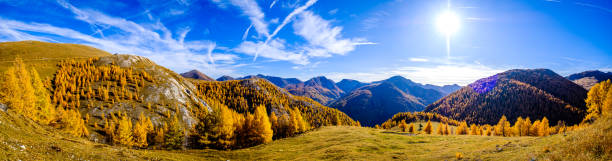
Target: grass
column 326, row 143
column 44, row 56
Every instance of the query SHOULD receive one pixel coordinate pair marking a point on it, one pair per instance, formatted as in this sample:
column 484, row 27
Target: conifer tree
column 526, row 126
column 543, row 127
column 446, row 130
column 462, row 129
column 411, row 128
column 534, row 129
column 142, row 128
column 518, row 127
column 473, row 129
column 440, row 129
column 403, row 126
column 124, row 133
column 175, row 135
column 216, row 129
column 428, row 127
column 45, row 110
column 596, row 99
column 262, row 128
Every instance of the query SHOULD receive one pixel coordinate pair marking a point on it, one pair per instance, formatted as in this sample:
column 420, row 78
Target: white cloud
column 273, row 3
column 444, row 74
column 153, row 40
column 333, row 12
column 251, row 9
column 323, row 38
column 418, row 60
column 275, row 50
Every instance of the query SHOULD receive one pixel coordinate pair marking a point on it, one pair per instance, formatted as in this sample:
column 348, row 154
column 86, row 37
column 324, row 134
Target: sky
column 364, row 40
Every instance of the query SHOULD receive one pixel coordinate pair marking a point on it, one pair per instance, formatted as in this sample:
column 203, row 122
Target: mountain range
column 588, row 79
column 369, row 103
column 374, row 103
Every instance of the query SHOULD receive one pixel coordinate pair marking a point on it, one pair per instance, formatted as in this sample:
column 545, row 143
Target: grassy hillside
column 327, row 143
column 43, row 55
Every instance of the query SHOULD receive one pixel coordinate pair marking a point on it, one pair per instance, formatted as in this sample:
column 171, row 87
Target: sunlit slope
column 29, row 141
column 43, row 55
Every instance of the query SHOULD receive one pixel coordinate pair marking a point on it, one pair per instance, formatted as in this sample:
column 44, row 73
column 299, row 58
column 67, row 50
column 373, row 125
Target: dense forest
column 534, row 93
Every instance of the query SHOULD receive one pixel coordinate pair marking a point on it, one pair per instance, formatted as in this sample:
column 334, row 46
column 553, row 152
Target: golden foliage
column 428, row 128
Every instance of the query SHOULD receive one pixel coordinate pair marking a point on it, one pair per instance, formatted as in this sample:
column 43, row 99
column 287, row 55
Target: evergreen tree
column 175, row 135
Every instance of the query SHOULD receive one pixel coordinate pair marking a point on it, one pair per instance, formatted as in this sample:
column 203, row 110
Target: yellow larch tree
column 428, row 127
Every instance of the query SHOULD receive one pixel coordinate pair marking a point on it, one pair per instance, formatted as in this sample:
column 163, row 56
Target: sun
column 448, row 23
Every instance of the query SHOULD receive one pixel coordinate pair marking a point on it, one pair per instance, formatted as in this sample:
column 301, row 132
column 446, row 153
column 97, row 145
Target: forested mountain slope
column 533, row 93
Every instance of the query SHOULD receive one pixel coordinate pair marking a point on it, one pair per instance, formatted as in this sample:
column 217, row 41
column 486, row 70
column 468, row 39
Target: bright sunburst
column 448, row 23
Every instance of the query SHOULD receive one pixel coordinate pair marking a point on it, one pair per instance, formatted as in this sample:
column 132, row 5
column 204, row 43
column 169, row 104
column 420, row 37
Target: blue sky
column 365, row 40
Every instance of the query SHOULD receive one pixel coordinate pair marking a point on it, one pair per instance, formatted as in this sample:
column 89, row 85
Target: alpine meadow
column 306, row 80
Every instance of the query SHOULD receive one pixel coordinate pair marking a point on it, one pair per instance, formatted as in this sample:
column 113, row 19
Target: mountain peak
column 195, row 74
column 225, row 78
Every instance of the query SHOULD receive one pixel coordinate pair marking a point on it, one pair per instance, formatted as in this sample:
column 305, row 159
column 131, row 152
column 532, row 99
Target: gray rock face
column 3, row 107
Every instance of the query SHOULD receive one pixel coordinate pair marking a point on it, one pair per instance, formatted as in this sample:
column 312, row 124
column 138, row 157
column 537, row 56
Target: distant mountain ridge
column 278, row 81
column 195, row 74
column 224, row 78
column 348, row 85
column 533, row 93
column 374, row 103
column 588, row 79
column 320, row 89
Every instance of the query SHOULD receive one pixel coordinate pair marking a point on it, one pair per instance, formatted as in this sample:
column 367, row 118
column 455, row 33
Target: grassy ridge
column 43, row 55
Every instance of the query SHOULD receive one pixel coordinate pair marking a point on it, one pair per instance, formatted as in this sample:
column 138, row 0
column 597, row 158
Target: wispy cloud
column 333, row 12
column 594, row 6
column 273, row 3
column 153, row 40
column 374, row 20
column 251, row 9
column 275, row 50
column 323, row 38
column 418, row 60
